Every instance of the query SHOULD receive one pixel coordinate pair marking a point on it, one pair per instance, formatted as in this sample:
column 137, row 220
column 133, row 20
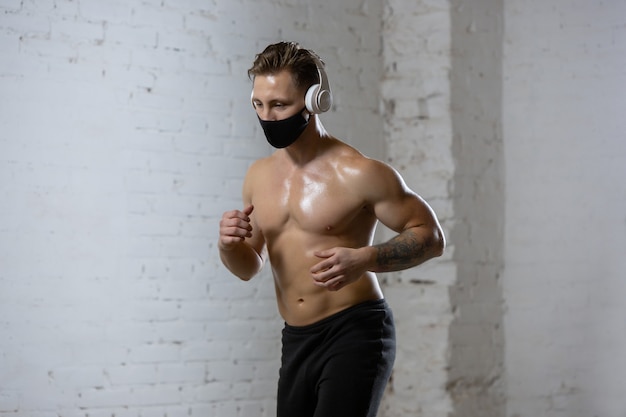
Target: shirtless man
column 311, row 208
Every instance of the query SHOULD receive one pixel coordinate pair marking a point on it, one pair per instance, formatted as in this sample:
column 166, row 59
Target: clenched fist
column 235, row 227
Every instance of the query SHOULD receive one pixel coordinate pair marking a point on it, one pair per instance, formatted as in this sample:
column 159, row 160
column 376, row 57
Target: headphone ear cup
column 324, row 100
column 310, row 100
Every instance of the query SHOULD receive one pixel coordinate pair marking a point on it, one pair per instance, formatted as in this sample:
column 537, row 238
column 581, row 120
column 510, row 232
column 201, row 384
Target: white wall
column 125, row 131
column 565, row 157
column 476, row 365
column 415, row 93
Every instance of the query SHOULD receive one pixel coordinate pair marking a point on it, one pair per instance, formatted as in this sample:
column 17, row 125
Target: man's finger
column 321, row 267
column 248, row 210
column 324, row 253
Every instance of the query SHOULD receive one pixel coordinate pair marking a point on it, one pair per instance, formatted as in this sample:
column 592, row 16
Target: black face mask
column 282, row 133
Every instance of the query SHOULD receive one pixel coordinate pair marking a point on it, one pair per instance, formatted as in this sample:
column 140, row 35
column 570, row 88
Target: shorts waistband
column 380, row 304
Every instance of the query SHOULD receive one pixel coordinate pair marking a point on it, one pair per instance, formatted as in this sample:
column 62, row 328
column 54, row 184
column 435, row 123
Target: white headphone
column 318, row 97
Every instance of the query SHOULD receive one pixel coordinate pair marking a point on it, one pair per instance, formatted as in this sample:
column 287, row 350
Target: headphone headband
column 319, row 97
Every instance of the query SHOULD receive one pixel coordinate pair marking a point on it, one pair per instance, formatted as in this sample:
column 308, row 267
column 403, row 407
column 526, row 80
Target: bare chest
column 318, row 205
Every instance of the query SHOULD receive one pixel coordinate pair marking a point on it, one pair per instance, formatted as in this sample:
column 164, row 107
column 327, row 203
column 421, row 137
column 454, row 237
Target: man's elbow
column 242, row 274
column 438, row 246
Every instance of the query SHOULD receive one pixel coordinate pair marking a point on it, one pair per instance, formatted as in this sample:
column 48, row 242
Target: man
column 311, row 208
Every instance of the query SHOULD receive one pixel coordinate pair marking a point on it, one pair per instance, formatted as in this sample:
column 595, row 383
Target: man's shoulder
column 368, row 176
column 347, row 155
column 256, row 170
column 259, row 165
column 361, row 165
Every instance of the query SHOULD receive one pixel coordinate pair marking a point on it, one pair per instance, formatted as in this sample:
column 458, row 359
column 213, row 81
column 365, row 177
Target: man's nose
column 266, row 113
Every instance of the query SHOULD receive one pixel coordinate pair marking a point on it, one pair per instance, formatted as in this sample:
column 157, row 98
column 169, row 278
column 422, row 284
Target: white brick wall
column 476, row 356
column 565, row 156
column 416, row 110
column 125, row 131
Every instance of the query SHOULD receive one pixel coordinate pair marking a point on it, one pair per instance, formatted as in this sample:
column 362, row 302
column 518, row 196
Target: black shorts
column 339, row 366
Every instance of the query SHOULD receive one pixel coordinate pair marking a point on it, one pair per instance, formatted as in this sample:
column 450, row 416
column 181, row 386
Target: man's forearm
column 242, row 260
column 408, row 249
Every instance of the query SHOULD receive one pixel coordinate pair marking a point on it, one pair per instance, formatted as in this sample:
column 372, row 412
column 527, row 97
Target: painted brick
column 172, row 373
column 548, row 366
column 132, row 374
column 9, row 401
column 129, row 134
column 206, row 351
column 417, row 129
column 155, row 353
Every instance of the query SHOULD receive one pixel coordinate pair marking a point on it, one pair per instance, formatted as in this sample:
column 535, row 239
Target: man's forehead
column 281, row 83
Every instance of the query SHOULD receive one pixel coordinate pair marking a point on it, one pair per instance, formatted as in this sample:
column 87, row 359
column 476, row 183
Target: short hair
column 288, row 56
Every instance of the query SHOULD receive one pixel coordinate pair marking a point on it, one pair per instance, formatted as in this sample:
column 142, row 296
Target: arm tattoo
column 403, row 251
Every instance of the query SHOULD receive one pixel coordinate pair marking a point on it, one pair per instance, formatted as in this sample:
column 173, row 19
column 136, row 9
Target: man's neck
column 309, row 145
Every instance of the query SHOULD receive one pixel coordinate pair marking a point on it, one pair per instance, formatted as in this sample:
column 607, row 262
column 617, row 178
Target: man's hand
column 235, row 227
column 339, row 267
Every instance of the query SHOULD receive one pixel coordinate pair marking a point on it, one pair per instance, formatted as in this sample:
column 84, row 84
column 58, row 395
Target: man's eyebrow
column 273, row 100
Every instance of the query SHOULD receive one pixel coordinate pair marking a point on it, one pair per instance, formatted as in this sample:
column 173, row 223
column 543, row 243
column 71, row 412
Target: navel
column 329, row 228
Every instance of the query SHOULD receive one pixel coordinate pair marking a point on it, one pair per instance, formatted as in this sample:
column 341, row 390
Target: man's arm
column 242, row 260
column 409, row 248
column 420, row 236
column 242, row 250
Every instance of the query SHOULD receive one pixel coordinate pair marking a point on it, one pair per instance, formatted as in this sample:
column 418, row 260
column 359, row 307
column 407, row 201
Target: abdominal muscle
column 300, row 301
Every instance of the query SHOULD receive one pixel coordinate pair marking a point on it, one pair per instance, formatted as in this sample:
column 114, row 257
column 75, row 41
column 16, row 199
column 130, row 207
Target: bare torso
column 302, row 209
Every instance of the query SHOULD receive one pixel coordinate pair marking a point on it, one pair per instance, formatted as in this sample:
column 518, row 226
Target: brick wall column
column 418, row 136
